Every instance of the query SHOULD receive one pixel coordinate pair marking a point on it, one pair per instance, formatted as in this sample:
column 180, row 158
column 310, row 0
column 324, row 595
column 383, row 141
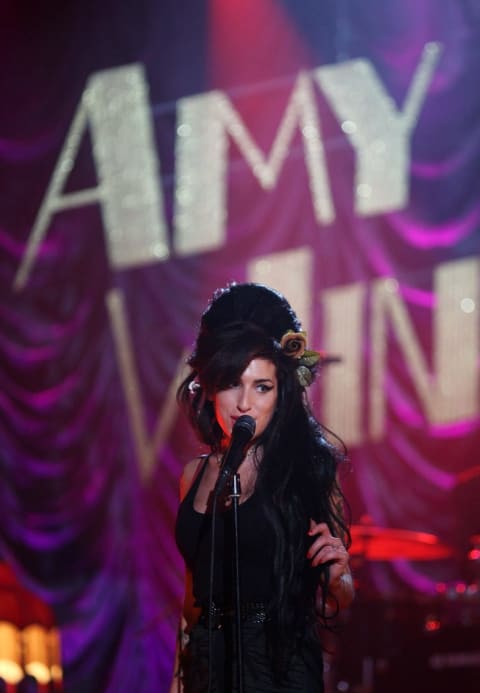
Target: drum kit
column 382, row 544
column 390, row 643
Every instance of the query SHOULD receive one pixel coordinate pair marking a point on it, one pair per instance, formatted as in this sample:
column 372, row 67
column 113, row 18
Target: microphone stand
column 243, row 431
column 235, row 496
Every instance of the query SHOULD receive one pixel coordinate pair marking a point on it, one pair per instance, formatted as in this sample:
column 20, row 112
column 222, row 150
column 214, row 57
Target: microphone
column 242, row 433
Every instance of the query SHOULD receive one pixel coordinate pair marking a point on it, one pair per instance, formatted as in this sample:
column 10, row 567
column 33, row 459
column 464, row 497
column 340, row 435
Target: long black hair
column 298, row 469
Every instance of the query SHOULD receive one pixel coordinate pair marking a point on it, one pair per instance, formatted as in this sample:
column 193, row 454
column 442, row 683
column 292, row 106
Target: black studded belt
column 251, row 612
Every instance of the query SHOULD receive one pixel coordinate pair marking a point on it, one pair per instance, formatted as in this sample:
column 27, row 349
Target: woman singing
column 250, row 359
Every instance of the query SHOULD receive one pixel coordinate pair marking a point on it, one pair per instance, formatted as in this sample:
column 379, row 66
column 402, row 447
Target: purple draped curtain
column 92, row 445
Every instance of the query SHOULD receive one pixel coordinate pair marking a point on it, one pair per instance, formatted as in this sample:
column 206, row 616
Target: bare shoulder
column 189, row 474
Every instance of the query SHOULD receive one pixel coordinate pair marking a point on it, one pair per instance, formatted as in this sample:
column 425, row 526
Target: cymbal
column 384, row 544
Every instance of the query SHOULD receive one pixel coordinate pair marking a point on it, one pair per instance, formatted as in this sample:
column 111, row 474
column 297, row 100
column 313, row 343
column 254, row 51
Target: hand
column 326, row 548
column 176, row 686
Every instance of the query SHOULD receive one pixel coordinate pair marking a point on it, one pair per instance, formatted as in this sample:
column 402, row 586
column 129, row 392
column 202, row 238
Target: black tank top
column 256, row 548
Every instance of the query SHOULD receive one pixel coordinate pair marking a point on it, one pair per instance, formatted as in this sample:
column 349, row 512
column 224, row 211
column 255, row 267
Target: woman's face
column 254, row 394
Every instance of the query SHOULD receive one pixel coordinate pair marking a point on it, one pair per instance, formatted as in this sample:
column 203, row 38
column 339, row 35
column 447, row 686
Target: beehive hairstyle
column 250, row 303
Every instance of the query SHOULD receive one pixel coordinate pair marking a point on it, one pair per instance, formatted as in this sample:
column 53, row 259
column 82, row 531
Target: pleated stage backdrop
column 153, row 152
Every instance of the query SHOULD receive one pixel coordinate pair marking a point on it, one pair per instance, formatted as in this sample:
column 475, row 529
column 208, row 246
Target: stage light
column 29, row 642
column 35, row 652
column 11, row 670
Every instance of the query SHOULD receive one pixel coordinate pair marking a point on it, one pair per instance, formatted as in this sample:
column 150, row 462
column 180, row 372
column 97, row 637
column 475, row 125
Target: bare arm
column 326, row 548
column 330, row 549
column 190, row 613
column 188, row 618
column 177, row 685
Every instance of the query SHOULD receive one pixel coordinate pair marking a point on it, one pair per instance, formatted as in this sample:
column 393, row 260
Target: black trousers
column 304, row 675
